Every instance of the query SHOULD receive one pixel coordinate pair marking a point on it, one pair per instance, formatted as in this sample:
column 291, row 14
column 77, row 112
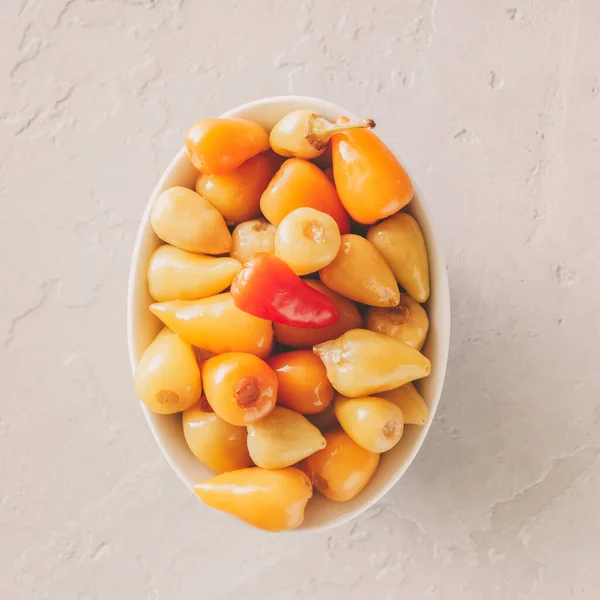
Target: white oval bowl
column 142, row 327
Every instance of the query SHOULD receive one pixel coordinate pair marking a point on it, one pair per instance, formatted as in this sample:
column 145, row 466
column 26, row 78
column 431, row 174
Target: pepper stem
column 321, row 129
column 246, row 392
column 391, row 429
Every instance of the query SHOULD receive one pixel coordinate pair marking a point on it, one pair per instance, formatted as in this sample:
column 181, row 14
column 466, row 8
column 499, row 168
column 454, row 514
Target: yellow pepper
column 362, row 362
column 270, row 500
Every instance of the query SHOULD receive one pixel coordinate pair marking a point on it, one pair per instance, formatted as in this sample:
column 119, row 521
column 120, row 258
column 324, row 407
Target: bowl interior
column 143, row 326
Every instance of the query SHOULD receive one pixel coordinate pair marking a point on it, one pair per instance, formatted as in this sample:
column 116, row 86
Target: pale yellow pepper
column 411, row 403
column 400, row 240
column 184, row 219
column 307, row 240
column 373, row 423
column 174, row 274
column 167, row 378
column 283, row 438
column 360, row 273
column 216, row 443
column 362, row 363
column 251, row 237
column 407, row 322
column 215, row 324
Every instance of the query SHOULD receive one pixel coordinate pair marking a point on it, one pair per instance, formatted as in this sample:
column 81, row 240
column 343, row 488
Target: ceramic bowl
column 142, row 327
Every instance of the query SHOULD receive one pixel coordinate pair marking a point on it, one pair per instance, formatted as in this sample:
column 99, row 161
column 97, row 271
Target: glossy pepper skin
column 270, row 500
column 407, row 322
column 297, row 184
column 342, row 469
column 167, row 378
column 267, row 288
column 217, row 146
column 400, row 241
column 370, row 181
column 303, row 384
column 241, row 388
column 216, row 325
column 219, row 445
column 236, row 195
column 306, row 337
column 364, row 363
column 411, row 403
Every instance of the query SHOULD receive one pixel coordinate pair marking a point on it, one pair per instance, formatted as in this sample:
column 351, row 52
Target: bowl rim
column 442, row 293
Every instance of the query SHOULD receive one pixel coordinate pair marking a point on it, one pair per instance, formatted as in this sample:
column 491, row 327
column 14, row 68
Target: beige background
column 494, row 105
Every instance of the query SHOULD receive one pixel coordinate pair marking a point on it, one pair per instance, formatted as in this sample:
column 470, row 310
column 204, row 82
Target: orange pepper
column 217, row 146
column 241, row 388
column 236, row 195
column 370, row 181
column 298, row 184
column 303, row 383
column 342, row 469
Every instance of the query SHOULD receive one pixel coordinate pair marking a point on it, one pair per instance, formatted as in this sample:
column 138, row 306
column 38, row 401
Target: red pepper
column 267, row 288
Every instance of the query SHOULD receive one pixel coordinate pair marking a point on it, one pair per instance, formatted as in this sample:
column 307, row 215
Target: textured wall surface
column 495, row 107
